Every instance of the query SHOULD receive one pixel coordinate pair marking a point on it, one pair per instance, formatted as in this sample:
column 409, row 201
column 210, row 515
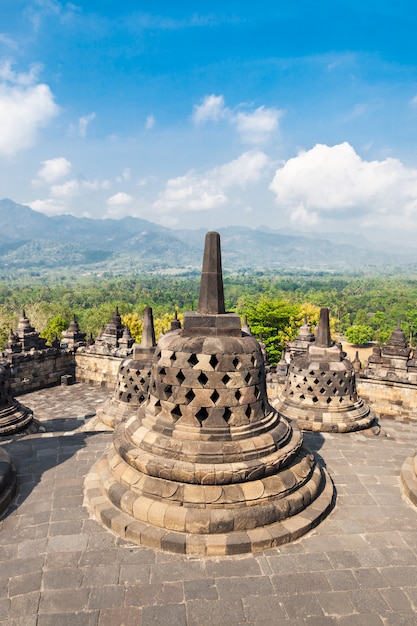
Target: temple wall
column 389, row 399
column 37, row 370
column 97, row 369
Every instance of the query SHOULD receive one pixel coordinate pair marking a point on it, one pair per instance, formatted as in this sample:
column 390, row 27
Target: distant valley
column 34, row 243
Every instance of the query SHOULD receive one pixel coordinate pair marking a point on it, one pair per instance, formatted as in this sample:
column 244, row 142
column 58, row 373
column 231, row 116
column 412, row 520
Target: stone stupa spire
column 211, row 299
column 323, row 339
column 148, row 331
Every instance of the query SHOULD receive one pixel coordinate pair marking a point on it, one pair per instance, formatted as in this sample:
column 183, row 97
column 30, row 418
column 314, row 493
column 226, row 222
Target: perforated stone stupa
column 207, row 466
column 14, row 417
column 320, row 389
column 133, row 378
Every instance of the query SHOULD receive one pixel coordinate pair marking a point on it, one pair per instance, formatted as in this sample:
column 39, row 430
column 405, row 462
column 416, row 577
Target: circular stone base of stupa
column 7, row 481
column 409, row 478
column 359, row 418
column 210, row 520
column 17, row 419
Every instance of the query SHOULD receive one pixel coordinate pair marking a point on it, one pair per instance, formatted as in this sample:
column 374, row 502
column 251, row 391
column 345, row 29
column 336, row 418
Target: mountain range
column 31, row 241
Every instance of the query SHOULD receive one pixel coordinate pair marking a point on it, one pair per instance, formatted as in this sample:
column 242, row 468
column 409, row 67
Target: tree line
column 362, row 308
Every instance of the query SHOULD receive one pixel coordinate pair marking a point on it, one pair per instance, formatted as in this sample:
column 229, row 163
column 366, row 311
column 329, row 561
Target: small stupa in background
column 320, row 388
column 207, row 466
column 14, row 417
column 133, row 378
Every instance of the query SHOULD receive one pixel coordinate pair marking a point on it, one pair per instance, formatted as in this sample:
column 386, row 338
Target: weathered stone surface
column 206, row 456
column 14, row 417
column 320, row 391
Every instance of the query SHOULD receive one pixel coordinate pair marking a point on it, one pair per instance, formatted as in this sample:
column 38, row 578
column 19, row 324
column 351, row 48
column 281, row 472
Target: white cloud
column 150, row 122
column 254, row 127
column 67, row 189
column 83, row 123
column 334, row 181
column 25, row 107
column 200, row 192
column 258, row 126
column 119, row 199
column 52, row 170
column 212, row 109
column 48, row 206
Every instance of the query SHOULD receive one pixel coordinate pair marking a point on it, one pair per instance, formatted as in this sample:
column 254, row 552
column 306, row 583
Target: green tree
column 359, row 335
column 54, row 327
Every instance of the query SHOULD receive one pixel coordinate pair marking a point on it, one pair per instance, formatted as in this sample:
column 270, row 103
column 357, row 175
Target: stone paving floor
column 59, row 567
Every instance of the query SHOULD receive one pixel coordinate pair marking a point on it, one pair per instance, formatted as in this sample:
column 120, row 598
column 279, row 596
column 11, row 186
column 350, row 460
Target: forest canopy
column 274, row 305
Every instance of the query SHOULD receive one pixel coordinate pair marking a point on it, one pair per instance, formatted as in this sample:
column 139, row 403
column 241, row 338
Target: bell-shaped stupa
column 208, row 467
column 133, row 377
column 320, row 388
column 14, row 417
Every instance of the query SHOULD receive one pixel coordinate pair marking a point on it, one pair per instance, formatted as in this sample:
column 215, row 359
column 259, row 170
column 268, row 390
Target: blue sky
column 287, row 114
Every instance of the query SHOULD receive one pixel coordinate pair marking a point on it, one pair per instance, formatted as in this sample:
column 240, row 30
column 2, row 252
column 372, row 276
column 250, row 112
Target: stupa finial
column 211, row 299
column 148, row 331
column 323, row 339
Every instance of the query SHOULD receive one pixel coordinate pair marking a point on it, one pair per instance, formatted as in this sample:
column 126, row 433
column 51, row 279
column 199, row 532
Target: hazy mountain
column 32, row 240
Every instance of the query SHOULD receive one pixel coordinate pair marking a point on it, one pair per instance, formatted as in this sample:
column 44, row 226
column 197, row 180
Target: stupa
column 392, row 361
column 73, row 337
column 7, row 480
column 207, row 466
column 320, row 389
column 132, row 379
column 14, row 417
column 409, row 478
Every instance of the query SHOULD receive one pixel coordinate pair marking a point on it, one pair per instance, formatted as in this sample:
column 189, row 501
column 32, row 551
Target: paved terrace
column 60, row 567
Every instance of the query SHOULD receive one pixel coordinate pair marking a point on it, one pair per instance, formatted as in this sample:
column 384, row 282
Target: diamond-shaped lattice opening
column 257, row 393
column 227, row 414
column 168, row 390
column 135, row 388
column 335, row 374
column 345, row 390
column 202, row 414
column 329, row 382
column 302, row 397
column 291, row 393
column 322, row 391
column 328, row 400
column 180, row 377
column 213, row 361
column 316, row 381
column 129, row 397
column 253, row 360
column 214, row 396
column 176, row 412
column 248, row 412
column 315, row 399
column 238, row 395
column 142, row 381
column 235, row 362
column 193, row 360
column 247, row 378
column 304, row 379
column 334, row 392
column 202, row 378
column 226, row 379
column 162, row 371
column 130, row 379
column 173, row 357
column 341, row 382
column 323, row 373
column 190, row 395
column 298, row 386
column 157, row 408
column 141, row 398
column 310, row 389
column 341, row 399
column 311, row 373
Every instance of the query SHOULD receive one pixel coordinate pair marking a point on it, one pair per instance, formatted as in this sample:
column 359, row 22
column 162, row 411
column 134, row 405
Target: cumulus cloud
column 83, row 123
column 120, row 199
column 25, row 107
column 212, row 109
column 67, row 189
column 52, row 170
column 48, row 206
column 335, row 182
column 125, row 176
column 200, row 192
column 254, row 127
